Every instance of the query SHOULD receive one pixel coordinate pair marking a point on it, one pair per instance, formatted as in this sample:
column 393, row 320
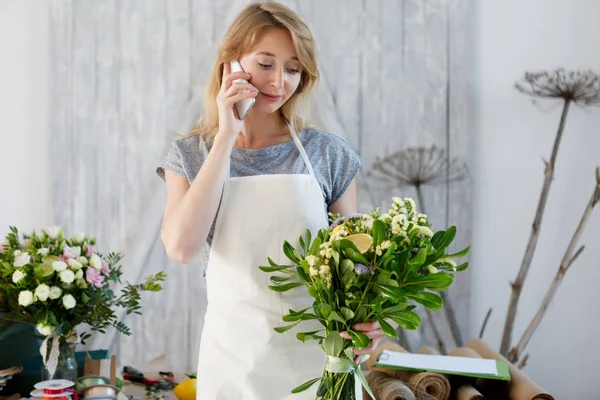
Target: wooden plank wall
column 128, row 75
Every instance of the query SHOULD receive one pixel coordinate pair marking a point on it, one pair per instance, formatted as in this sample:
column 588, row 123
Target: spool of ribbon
column 61, row 391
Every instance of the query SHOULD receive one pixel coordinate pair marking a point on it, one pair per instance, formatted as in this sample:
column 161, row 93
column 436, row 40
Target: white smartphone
column 243, row 106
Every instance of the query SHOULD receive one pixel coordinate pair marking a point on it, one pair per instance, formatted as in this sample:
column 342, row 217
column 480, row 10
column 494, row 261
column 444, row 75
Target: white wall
column 512, row 136
column 24, row 122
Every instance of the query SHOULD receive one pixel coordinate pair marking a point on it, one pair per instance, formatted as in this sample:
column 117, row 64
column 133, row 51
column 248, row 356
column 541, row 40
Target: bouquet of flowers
column 57, row 284
column 364, row 268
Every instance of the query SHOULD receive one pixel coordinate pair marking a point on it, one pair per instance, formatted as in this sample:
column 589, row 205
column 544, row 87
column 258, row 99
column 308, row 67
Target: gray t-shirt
column 334, row 162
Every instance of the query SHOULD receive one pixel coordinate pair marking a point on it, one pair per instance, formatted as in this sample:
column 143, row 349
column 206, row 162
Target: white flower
column 368, row 222
column 71, row 252
column 55, row 292
column 382, row 247
column 74, row 264
column 53, row 231
column 18, row 275
column 79, row 274
column 314, row 271
column 432, row 269
column 78, row 237
column 22, row 260
column 43, row 251
column 384, row 217
column 96, row 261
column 312, row 260
column 44, row 329
column 326, row 250
column 25, row 298
column 59, row 266
column 42, row 292
column 68, row 301
column 425, row 231
column 17, row 253
column 82, row 260
column 67, row 276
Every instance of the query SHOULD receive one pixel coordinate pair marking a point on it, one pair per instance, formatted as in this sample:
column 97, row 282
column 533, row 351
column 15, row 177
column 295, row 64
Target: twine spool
column 385, row 387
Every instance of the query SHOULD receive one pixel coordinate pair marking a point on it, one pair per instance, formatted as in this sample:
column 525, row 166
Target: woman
column 237, row 189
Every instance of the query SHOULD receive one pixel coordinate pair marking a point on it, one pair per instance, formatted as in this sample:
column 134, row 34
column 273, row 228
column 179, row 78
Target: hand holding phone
column 245, row 105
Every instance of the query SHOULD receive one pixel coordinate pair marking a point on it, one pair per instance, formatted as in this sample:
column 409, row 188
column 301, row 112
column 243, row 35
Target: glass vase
column 66, row 367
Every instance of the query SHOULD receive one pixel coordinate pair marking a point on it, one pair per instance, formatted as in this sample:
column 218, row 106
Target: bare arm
column 347, row 204
column 191, row 209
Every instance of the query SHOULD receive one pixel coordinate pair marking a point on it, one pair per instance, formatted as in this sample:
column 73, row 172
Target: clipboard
column 449, row 365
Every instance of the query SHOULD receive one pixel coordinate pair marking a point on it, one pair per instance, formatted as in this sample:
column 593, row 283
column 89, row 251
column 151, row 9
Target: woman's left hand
column 372, row 330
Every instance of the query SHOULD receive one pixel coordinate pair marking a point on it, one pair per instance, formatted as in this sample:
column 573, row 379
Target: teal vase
column 18, row 343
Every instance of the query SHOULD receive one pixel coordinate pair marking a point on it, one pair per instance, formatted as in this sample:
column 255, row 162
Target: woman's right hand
column 232, row 92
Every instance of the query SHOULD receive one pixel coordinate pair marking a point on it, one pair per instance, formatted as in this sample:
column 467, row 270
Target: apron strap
column 302, row 151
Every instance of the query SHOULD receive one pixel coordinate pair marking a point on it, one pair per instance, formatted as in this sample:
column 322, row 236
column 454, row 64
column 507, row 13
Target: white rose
column 78, row 237
column 74, row 264
column 55, row 292
column 82, row 260
column 59, row 266
column 67, row 276
column 17, row 253
column 42, row 292
column 96, row 261
column 79, row 274
column 44, row 329
column 39, row 233
column 43, row 251
column 25, row 298
column 53, row 231
column 18, row 275
column 68, row 301
column 71, row 252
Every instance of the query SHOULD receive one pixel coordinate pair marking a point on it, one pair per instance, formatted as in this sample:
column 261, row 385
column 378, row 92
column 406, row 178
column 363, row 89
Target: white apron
column 241, row 357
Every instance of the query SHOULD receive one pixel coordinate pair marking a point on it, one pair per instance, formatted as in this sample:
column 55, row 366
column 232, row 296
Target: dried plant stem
column 485, row 322
column 436, row 332
column 523, row 362
column 448, row 309
column 569, row 257
column 517, row 285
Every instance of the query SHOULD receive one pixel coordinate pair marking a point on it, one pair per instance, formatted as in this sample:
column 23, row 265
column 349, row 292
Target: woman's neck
column 263, row 131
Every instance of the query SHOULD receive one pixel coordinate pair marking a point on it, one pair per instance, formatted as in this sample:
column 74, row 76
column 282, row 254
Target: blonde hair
column 241, row 38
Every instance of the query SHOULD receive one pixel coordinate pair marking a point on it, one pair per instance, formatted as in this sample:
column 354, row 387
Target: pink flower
column 72, row 252
column 22, row 259
column 93, row 277
column 90, row 250
column 63, row 258
column 105, row 269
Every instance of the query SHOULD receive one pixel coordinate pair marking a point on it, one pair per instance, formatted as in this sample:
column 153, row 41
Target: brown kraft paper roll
column 392, row 346
column 521, row 386
column 384, row 387
column 467, row 391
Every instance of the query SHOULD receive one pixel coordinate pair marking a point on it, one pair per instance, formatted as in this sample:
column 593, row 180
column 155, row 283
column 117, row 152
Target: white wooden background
column 127, row 76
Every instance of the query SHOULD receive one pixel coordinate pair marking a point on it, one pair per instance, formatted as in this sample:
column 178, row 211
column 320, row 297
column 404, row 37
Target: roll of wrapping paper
column 521, row 386
column 466, row 391
column 392, row 346
column 385, row 387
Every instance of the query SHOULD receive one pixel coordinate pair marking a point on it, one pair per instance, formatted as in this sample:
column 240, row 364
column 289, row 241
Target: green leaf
column 347, row 313
column 406, row 319
column 334, row 344
column 394, row 293
column 334, row 316
column 302, row 275
column 439, row 281
column 387, row 328
column 382, row 280
column 313, row 292
column 462, row 267
column 445, row 239
column 305, row 336
column 305, row 385
column 379, row 230
column 359, row 339
column 401, row 306
column 315, row 246
column 294, row 315
column 307, row 239
column 285, row 288
column 274, row 268
column 461, row 253
column 338, row 365
column 361, row 314
column 282, row 329
column 430, row 300
column 281, row 279
column 325, row 309
column 418, row 259
column 290, row 252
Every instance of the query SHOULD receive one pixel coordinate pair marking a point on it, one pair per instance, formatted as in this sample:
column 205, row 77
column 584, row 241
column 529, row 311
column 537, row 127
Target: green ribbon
column 339, row 365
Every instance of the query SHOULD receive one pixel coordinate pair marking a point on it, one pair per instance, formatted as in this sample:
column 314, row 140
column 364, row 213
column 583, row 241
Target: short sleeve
column 345, row 164
column 172, row 161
